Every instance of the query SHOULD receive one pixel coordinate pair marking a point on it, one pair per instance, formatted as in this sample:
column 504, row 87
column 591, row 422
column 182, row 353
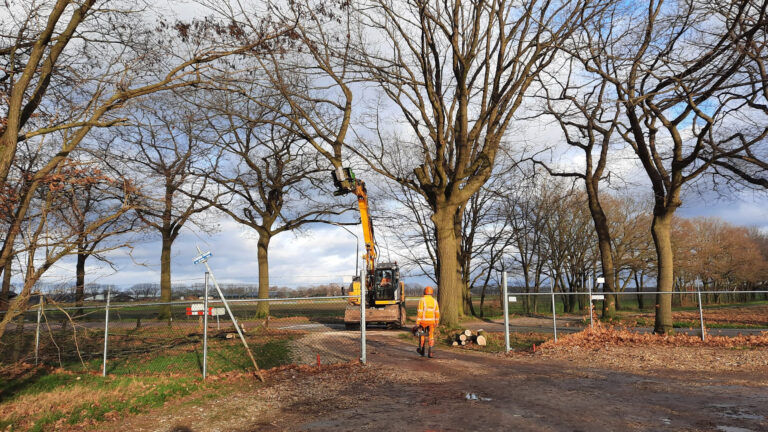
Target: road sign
column 598, row 297
column 199, row 309
column 512, row 299
column 202, row 257
column 601, row 280
column 196, row 309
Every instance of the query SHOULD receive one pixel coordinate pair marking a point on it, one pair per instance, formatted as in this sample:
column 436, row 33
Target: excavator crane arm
column 345, row 182
column 385, row 298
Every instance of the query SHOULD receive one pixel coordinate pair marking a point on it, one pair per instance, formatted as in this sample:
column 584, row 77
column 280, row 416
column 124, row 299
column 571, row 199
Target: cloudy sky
column 321, row 254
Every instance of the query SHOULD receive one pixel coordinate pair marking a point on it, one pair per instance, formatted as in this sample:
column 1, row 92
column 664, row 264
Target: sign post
column 203, row 258
column 205, row 329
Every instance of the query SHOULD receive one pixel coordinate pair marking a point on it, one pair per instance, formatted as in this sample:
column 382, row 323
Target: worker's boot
column 420, row 350
column 430, row 353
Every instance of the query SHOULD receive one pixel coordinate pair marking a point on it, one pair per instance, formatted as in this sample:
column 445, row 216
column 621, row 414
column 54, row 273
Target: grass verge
column 38, row 398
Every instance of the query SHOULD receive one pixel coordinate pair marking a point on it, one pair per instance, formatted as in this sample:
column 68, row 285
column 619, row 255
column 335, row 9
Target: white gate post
column 37, row 331
column 506, row 311
column 205, row 328
column 701, row 314
column 362, row 317
column 106, row 332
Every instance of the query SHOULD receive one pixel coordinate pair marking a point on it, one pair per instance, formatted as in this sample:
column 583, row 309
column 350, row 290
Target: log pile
column 468, row 337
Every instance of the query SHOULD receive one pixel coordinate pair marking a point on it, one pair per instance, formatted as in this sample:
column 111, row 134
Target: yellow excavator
column 385, row 297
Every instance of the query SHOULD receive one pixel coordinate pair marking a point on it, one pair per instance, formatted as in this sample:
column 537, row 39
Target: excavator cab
column 386, row 285
column 384, row 300
column 383, row 288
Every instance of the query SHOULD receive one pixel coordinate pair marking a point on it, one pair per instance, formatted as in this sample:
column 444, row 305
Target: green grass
column 133, row 396
column 222, row 357
column 136, row 378
column 697, row 324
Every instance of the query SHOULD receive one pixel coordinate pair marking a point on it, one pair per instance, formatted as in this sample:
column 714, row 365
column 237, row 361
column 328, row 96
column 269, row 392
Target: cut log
column 462, row 338
column 467, row 333
column 231, row 335
column 455, row 343
column 480, row 332
column 481, row 340
column 463, row 342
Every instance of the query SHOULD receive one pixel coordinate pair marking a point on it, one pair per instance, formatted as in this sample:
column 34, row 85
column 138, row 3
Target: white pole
column 37, row 332
column 701, row 314
column 205, row 329
column 232, row 317
column 554, row 312
column 591, row 324
column 106, row 332
column 506, row 311
column 362, row 317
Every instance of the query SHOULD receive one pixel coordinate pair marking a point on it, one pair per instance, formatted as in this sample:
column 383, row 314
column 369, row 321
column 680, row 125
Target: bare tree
column 48, row 236
column 750, row 99
column 457, row 73
column 164, row 149
column 85, row 202
column 68, row 67
column 671, row 68
column 588, row 121
column 267, row 176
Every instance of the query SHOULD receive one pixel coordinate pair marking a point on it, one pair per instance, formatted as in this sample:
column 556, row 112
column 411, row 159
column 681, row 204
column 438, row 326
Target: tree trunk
column 639, row 289
column 80, row 281
column 165, row 277
column 482, row 299
column 5, row 293
column 604, row 245
column 262, row 252
column 449, row 280
column 662, row 239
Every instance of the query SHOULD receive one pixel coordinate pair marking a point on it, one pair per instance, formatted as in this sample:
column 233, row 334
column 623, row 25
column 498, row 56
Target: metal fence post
column 701, row 315
column 37, row 331
column 591, row 324
column 554, row 312
column 362, row 317
column 205, row 329
column 506, row 311
column 106, row 333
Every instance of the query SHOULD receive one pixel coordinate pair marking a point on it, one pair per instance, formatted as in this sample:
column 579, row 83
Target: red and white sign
column 199, row 309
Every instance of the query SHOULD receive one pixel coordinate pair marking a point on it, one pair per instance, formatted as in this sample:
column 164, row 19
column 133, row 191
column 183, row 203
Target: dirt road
column 400, row 391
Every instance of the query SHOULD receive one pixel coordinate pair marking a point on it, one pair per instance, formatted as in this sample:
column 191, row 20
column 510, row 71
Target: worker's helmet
column 428, row 290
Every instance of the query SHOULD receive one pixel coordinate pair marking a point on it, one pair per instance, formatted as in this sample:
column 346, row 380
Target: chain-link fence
column 698, row 312
column 171, row 338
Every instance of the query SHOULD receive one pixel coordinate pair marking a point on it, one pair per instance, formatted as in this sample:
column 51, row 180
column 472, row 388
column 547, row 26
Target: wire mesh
column 18, row 341
column 162, row 338
column 285, row 331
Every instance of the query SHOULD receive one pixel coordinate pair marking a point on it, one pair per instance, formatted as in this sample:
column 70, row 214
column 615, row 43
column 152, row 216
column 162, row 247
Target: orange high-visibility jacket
column 428, row 313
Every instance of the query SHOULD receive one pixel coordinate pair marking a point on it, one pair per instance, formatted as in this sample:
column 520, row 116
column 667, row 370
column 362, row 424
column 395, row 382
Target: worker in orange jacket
column 427, row 317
